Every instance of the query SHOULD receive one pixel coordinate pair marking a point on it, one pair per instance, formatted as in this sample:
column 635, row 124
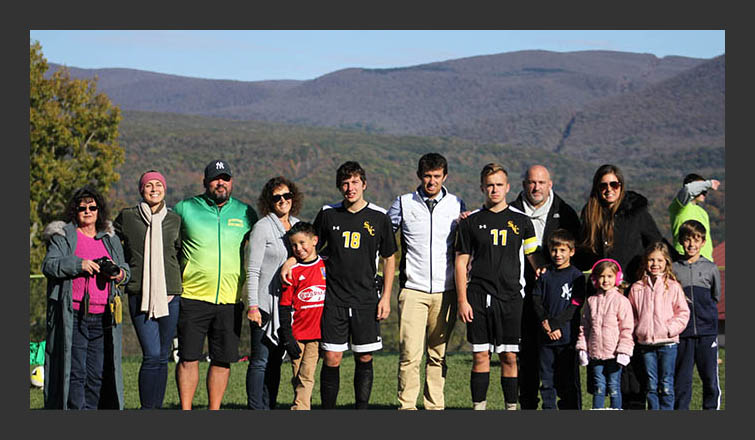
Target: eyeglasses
column 84, row 208
column 615, row 184
column 705, row 193
column 277, row 198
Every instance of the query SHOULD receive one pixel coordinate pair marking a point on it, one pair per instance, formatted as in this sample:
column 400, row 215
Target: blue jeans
column 659, row 362
column 606, row 379
column 264, row 370
column 87, row 361
column 156, row 339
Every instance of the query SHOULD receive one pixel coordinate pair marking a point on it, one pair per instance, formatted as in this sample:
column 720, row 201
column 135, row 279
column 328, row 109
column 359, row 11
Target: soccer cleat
column 480, row 406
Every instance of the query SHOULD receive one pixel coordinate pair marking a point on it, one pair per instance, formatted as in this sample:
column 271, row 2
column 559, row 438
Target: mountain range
column 565, row 102
column 657, row 118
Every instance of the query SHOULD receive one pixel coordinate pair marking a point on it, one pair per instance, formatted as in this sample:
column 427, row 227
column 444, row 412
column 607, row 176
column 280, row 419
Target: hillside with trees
column 686, row 111
column 526, row 99
column 180, row 146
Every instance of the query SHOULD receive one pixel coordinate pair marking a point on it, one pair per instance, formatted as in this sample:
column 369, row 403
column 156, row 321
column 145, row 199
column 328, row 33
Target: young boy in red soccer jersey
column 300, row 307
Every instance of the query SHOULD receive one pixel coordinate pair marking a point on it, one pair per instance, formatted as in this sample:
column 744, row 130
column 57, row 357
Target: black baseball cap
column 216, row 168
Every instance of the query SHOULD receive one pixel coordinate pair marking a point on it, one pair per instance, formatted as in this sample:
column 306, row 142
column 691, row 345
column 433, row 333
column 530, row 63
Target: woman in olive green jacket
column 150, row 235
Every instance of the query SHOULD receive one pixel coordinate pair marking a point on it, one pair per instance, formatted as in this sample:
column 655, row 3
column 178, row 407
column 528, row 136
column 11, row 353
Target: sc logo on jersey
column 514, row 228
column 369, row 228
column 312, row 294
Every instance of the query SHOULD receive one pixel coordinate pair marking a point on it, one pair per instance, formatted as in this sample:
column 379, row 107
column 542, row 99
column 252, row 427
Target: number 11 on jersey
column 495, row 233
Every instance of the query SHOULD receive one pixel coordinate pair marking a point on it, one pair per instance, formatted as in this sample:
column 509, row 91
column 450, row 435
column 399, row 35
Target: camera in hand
column 107, row 267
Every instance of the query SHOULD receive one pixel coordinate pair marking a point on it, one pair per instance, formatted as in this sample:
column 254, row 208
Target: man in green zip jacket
column 214, row 230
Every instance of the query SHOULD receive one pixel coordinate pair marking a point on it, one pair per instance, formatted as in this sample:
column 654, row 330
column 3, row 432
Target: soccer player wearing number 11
column 496, row 238
column 353, row 233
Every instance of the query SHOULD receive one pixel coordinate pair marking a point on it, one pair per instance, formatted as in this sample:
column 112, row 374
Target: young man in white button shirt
column 427, row 218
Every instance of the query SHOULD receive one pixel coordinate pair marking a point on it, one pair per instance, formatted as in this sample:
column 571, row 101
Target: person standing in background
column 686, row 206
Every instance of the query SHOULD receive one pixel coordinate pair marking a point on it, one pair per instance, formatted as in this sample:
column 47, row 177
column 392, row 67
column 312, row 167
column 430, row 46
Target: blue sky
column 249, row 55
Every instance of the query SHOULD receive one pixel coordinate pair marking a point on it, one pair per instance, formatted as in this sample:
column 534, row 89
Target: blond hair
column 668, row 272
column 492, row 168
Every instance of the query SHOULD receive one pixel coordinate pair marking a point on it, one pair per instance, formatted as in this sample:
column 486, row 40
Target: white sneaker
column 480, row 406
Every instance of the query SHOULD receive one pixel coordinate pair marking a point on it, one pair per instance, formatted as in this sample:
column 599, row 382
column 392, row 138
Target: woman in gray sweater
column 268, row 248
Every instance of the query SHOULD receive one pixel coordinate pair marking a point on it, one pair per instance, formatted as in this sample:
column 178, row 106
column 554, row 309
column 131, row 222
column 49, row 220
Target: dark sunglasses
column 705, row 193
column 614, row 184
column 277, row 198
column 84, row 208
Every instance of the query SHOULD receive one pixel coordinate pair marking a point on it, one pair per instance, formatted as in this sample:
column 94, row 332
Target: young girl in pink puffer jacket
column 605, row 334
column 660, row 314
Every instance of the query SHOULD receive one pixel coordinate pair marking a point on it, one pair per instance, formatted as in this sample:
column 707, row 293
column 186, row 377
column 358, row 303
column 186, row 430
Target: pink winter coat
column 606, row 327
column 660, row 313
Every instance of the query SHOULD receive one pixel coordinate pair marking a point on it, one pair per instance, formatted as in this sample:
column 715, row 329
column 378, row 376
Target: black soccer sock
column 330, row 379
column 479, row 384
column 509, row 386
column 362, row 383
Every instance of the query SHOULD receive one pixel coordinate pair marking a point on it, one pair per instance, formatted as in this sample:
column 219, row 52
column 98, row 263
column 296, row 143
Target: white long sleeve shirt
column 427, row 255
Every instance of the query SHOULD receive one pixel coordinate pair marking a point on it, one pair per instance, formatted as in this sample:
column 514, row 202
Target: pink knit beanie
column 151, row 175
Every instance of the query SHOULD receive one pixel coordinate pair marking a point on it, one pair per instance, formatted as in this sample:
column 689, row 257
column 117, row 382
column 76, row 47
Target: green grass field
column 383, row 391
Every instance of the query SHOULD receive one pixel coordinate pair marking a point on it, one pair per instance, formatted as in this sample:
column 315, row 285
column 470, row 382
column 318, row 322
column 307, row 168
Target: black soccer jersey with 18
column 352, row 242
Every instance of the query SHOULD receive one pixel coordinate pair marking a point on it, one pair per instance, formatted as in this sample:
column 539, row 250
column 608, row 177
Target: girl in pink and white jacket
column 605, row 334
column 661, row 314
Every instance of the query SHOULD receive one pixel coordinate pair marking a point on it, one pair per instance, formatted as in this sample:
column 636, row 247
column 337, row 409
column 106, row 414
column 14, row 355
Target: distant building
column 719, row 257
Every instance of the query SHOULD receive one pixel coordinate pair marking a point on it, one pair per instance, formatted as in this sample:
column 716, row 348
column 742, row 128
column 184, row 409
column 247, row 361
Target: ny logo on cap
column 219, row 166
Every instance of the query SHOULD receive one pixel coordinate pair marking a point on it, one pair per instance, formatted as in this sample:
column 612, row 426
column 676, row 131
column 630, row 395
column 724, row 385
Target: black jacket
column 634, row 229
column 561, row 215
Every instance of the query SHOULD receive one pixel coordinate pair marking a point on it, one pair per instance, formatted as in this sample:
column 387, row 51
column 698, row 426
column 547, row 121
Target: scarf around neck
column 154, row 290
column 538, row 215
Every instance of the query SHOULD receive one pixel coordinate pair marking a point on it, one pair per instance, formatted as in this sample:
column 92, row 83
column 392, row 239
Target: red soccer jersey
column 307, row 295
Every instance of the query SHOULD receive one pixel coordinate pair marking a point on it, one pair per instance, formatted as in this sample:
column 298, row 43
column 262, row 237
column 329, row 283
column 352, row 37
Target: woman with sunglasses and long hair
column 267, row 250
column 150, row 234
column 85, row 268
column 616, row 224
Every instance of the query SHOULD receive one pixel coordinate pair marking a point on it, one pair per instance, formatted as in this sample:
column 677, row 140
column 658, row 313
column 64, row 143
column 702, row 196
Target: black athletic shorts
column 496, row 325
column 338, row 323
column 220, row 323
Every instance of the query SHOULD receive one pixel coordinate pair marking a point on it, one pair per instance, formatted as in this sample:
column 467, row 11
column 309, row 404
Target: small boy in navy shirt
column 557, row 295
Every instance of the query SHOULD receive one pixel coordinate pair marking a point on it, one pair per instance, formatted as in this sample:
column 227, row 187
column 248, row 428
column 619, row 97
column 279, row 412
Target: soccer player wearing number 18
column 496, row 238
column 352, row 234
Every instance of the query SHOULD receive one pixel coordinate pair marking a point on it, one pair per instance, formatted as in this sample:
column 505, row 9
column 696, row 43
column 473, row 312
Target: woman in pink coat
column 660, row 314
column 605, row 333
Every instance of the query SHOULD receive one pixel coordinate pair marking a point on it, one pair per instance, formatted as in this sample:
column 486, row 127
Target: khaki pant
column 303, row 378
column 424, row 318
